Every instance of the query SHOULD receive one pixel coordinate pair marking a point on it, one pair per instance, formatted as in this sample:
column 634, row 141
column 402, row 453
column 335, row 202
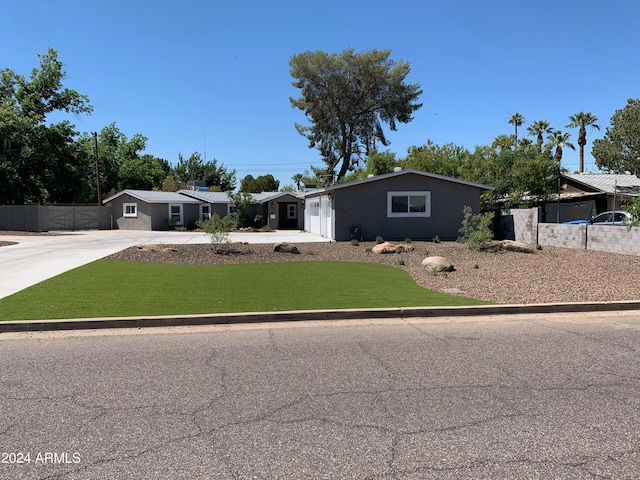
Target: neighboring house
column 584, row 195
column 605, row 188
column 153, row 210
column 405, row 204
column 278, row 210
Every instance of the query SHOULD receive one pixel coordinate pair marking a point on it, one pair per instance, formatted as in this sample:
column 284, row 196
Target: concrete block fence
column 523, row 225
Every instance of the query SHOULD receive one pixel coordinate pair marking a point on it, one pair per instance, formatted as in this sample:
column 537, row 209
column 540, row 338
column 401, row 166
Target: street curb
column 309, row 315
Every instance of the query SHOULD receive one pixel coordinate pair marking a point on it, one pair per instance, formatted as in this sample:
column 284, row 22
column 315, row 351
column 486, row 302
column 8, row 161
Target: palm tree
column 524, row 144
column 297, row 178
column 559, row 140
column 538, row 129
column 583, row 120
column 516, row 120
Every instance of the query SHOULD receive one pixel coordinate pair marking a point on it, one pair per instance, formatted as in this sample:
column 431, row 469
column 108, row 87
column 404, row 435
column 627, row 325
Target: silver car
column 619, row 217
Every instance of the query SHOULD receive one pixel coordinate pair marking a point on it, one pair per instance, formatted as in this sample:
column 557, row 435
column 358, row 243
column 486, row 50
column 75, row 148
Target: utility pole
column 95, row 151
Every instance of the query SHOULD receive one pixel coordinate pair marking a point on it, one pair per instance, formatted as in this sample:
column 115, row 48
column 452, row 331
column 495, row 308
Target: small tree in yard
column 218, row 229
column 476, row 229
column 240, row 202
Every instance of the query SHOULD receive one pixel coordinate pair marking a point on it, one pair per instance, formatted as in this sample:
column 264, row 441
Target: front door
column 288, row 215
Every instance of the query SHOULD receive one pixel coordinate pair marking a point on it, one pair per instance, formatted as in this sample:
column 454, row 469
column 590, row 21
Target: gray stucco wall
column 366, row 205
column 141, row 222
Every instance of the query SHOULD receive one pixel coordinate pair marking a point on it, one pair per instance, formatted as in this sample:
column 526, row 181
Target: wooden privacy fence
column 44, row 218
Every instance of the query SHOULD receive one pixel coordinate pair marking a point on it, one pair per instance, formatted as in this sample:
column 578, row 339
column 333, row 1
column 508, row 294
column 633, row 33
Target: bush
column 379, row 239
column 633, row 208
column 218, row 229
column 476, row 229
column 355, row 242
column 436, row 239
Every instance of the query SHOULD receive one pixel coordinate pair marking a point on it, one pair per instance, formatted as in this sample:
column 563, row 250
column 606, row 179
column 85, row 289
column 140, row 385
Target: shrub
column 476, row 229
column 355, row 242
column 407, row 240
column 633, row 208
column 379, row 239
column 218, row 229
column 436, row 239
column 401, row 262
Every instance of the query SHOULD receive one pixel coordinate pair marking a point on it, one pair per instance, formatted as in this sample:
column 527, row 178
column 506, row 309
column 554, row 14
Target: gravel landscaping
column 547, row 276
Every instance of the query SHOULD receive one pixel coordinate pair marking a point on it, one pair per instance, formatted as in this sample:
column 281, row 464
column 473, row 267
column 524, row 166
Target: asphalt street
column 504, row 397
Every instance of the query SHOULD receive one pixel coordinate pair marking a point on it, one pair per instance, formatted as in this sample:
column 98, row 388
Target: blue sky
column 213, row 77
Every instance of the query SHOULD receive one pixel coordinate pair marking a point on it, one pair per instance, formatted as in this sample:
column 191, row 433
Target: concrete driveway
column 39, row 257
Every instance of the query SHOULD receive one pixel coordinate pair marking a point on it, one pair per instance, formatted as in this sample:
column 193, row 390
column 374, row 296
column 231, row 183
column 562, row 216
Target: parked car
column 604, row 218
column 619, row 217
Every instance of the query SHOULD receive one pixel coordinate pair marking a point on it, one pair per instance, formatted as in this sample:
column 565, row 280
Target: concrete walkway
column 39, row 257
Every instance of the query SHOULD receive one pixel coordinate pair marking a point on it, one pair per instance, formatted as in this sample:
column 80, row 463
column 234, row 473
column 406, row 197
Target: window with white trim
column 175, row 213
column 409, row 204
column 205, row 211
column 130, row 210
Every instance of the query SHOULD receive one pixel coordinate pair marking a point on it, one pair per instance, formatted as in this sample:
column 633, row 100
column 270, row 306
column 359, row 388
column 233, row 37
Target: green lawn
column 108, row 288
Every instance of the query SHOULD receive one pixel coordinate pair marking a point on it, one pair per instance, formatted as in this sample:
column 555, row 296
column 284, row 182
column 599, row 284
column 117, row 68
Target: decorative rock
column 385, row 247
column 404, row 248
column 512, row 246
column 286, row 248
column 496, row 246
column 155, row 248
column 439, row 264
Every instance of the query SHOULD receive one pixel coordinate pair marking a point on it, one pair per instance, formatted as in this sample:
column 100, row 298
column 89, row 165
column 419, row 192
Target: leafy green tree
column 194, row 168
column 582, row 120
column 538, row 129
column 264, row 183
column 559, row 140
column 504, row 142
column 240, row 202
column 516, row 120
column 289, row 187
column 119, row 159
column 430, row 157
column 348, row 97
column 379, row 163
column 619, row 150
column 170, row 184
column 39, row 162
column 142, row 173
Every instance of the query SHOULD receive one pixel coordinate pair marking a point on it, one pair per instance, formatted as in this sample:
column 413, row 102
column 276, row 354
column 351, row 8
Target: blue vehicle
column 619, row 217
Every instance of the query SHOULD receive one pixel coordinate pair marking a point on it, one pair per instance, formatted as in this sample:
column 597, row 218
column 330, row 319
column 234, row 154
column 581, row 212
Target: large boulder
column 385, row 247
column 438, row 264
column 286, row 248
column 508, row 246
column 388, row 247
